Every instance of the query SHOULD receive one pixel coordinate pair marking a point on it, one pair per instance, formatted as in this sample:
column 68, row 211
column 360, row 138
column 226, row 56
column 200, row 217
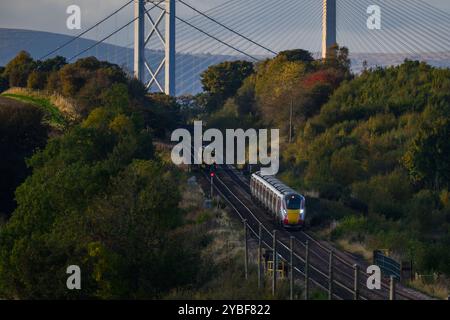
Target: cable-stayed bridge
column 167, row 43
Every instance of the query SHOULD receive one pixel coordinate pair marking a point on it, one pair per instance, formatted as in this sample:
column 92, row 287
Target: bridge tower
column 142, row 13
column 328, row 26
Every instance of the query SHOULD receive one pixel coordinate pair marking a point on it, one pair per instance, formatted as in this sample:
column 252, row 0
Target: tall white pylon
column 143, row 10
column 328, row 26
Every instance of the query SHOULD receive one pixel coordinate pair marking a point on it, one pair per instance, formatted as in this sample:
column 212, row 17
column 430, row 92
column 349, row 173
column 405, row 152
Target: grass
column 355, row 248
column 53, row 116
column 225, row 256
column 438, row 288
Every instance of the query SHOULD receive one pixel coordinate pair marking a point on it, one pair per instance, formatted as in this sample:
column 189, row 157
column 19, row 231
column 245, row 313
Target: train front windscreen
column 293, row 202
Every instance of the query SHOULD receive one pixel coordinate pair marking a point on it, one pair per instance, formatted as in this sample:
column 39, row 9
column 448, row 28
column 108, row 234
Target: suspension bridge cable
column 108, row 36
column 213, row 37
column 426, row 30
column 84, row 32
column 404, row 37
column 305, row 34
column 274, row 22
column 397, row 36
column 223, row 32
column 440, row 12
column 220, row 30
column 203, row 23
column 228, row 28
column 354, row 26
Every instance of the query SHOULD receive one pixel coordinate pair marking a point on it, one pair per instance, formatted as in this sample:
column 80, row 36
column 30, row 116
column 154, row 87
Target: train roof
column 275, row 183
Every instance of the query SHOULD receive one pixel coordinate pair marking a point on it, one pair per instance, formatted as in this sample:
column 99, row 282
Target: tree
column 3, row 83
column 428, row 156
column 98, row 199
column 21, row 133
column 19, row 68
column 51, row 65
column 297, row 55
column 221, row 81
column 37, row 80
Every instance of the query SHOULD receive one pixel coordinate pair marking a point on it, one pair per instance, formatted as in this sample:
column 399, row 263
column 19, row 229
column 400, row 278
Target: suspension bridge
column 168, row 43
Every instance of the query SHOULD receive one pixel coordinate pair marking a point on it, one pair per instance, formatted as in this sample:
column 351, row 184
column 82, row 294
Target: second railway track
column 234, row 189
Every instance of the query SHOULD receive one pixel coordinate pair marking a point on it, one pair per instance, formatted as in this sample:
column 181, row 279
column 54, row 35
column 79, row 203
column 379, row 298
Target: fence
column 297, row 265
column 337, row 283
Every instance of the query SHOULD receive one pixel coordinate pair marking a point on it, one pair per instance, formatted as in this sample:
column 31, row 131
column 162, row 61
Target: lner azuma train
column 285, row 204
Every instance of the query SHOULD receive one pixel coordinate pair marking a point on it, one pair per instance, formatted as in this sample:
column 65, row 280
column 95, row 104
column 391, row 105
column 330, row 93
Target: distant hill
column 38, row 44
column 189, row 66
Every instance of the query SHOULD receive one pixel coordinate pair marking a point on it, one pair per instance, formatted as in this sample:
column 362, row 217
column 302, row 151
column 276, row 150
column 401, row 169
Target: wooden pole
column 291, row 268
column 356, row 282
column 392, row 288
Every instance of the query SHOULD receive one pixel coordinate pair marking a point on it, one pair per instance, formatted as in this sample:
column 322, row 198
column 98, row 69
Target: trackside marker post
column 392, row 288
column 356, row 282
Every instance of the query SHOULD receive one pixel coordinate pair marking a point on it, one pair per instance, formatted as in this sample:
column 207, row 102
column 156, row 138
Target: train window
column 293, row 202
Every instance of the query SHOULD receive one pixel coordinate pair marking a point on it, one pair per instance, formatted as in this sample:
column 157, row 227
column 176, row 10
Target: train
column 285, row 204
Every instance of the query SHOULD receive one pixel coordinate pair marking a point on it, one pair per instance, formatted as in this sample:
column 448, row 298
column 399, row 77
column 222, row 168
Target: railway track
column 234, row 189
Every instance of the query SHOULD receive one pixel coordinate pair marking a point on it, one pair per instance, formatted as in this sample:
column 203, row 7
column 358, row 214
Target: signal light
column 212, row 174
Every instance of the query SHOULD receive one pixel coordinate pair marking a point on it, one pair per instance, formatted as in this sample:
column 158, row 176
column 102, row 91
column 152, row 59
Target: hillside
column 37, row 43
column 372, row 148
column 189, row 66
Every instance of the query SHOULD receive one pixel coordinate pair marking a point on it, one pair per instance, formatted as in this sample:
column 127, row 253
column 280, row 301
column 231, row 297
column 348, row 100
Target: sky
column 50, row 15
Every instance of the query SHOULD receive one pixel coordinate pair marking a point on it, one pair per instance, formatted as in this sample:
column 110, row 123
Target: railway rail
column 234, row 189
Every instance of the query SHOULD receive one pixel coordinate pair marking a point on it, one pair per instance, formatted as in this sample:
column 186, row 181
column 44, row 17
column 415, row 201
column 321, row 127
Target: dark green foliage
column 373, row 146
column 4, row 82
column 97, row 198
column 223, row 80
column 428, row 156
column 21, row 133
column 51, row 65
column 297, row 55
column 85, row 81
column 18, row 69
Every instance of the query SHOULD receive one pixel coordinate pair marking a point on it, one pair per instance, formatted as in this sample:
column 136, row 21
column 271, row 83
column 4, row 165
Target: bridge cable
column 84, row 32
column 228, row 28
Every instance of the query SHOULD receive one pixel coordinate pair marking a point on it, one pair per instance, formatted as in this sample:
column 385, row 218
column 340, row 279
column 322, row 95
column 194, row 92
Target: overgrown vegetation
column 374, row 147
column 97, row 196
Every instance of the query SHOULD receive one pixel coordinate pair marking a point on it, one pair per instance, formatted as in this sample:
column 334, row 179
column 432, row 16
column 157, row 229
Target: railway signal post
column 212, row 174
